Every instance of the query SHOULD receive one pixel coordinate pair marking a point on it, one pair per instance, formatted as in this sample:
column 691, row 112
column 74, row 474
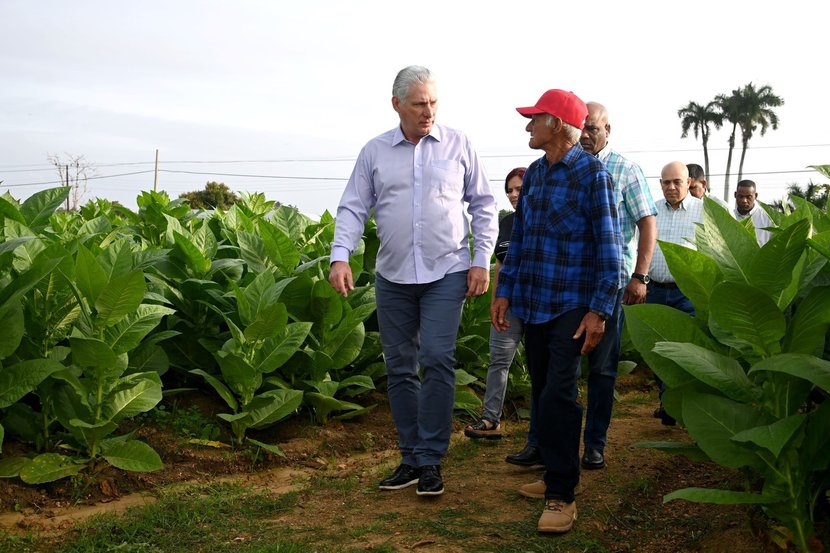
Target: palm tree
column 756, row 111
column 697, row 118
column 730, row 108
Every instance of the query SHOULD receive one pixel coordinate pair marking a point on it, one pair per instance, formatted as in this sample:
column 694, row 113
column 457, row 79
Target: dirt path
column 335, row 470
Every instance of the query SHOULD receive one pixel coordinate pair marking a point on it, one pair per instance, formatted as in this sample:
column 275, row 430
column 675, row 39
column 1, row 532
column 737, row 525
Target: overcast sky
column 300, row 86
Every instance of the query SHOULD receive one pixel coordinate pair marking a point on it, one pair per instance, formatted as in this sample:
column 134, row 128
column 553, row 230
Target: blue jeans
column 553, row 359
column 602, row 376
column 503, row 347
column 672, row 297
column 418, row 327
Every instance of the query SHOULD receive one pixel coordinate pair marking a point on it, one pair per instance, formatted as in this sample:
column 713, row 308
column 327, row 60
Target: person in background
column 417, row 178
column 677, row 214
column 503, row 347
column 636, row 211
column 699, row 187
column 561, row 277
column 745, row 206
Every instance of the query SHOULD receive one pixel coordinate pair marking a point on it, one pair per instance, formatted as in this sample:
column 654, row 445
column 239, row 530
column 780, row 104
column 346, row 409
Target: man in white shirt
column 698, row 185
column 417, row 178
column 745, row 206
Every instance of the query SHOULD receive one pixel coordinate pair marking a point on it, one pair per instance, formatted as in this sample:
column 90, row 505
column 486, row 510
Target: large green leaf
column 750, row 315
column 21, row 378
column 91, row 352
column 267, row 447
column 268, row 323
column 773, row 437
column 726, row 241
column 13, row 328
column 821, row 243
column 695, row 273
column 713, row 421
column 326, row 304
column 772, row 269
column 9, row 210
column 257, row 296
column 252, row 250
column 134, row 456
column 814, row 449
column 11, row 244
column 324, row 405
column 720, row 497
column 280, row 247
column 134, row 394
column 10, row 467
column 344, row 343
column 90, row 276
column 356, row 385
column 220, row 388
column 651, row 323
column 204, row 239
column 49, row 467
column 807, row 331
column 273, row 406
column 808, row 367
column 128, row 333
column 92, row 433
column 198, row 262
column 44, row 264
column 120, row 297
column 278, row 350
column 718, row 371
column 239, row 375
column 41, row 205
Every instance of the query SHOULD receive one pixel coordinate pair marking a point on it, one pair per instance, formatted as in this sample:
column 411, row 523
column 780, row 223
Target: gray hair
column 572, row 133
column 409, row 76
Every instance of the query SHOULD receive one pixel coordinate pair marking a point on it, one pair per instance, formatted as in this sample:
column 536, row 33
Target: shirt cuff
column 339, row 253
column 481, row 260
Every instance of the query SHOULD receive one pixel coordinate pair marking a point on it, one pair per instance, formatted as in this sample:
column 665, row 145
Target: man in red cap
column 561, row 276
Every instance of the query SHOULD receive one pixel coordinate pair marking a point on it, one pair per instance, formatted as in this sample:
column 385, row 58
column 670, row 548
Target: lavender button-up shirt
column 418, row 193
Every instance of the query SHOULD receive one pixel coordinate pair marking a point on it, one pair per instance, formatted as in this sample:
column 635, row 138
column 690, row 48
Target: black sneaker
column 527, row 457
column 404, row 476
column 430, row 482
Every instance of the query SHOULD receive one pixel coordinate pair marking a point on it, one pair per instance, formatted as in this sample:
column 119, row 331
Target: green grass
column 221, row 517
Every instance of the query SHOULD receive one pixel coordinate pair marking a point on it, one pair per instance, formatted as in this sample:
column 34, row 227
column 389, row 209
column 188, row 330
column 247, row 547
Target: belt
column 669, row 285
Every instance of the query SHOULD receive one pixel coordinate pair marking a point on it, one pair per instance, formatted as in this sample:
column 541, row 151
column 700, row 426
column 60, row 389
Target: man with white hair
column 561, row 277
column 417, row 178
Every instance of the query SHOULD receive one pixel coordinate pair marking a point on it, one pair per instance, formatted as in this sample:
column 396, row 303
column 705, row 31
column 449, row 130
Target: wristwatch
column 645, row 279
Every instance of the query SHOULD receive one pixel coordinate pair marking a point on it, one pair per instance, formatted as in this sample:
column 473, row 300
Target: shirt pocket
column 447, row 178
column 559, row 215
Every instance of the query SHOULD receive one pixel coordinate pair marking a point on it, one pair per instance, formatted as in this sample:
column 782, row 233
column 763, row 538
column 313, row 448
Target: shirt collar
column 684, row 203
column 605, row 153
column 435, row 133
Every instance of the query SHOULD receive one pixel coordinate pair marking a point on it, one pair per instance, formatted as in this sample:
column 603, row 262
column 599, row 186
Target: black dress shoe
column 405, row 475
column 592, row 459
column 527, row 457
column 430, row 482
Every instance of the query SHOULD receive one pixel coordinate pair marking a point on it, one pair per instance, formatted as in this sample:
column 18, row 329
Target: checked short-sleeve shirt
column 634, row 202
column 565, row 250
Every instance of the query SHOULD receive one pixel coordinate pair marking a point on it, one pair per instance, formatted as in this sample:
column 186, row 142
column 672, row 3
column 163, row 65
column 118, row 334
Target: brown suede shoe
column 558, row 516
column 536, row 490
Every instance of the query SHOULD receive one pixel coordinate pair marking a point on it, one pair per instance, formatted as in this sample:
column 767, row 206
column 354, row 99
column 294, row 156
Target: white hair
column 571, row 132
column 407, row 77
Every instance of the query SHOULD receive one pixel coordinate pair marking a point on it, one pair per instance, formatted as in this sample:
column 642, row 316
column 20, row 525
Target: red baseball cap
column 562, row 104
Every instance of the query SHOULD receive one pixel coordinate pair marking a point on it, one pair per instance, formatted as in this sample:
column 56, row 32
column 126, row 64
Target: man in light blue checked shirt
column 636, row 212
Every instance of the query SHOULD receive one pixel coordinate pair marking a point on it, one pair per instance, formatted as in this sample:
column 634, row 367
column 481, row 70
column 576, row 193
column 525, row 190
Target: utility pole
column 156, row 174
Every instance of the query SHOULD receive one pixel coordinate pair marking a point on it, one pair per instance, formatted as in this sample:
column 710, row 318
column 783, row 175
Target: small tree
column 74, row 171
column 216, row 195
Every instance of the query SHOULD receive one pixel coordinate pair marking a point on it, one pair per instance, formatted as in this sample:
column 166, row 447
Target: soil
column 620, row 506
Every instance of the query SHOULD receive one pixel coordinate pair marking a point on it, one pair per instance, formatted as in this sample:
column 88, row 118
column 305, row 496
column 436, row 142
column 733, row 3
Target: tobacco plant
column 749, row 375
